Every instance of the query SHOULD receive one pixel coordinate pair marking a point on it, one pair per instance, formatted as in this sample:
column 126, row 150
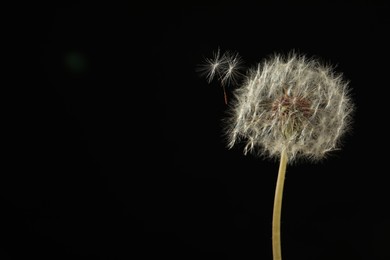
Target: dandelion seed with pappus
column 288, row 107
column 225, row 67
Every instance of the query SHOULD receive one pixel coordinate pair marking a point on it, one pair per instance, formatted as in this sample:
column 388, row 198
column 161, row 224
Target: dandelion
column 289, row 107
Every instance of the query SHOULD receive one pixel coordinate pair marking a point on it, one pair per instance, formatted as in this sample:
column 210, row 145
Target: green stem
column 276, row 244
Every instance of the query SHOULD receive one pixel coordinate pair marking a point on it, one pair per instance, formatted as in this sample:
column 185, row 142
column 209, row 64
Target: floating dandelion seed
column 225, row 67
column 212, row 66
column 230, row 70
column 289, row 107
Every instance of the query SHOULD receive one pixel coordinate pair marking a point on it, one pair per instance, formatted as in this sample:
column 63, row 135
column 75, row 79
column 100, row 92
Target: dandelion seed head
column 290, row 103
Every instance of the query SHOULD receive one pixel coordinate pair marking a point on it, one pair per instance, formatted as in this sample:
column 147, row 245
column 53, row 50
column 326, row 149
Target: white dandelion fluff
column 230, row 70
column 290, row 103
column 212, row 66
column 226, row 68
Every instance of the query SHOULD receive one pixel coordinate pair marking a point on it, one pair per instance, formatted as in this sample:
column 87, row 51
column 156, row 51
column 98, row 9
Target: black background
column 114, row 146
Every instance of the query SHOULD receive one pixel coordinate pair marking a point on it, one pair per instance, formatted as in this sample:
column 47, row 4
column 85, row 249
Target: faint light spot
column 75, row 62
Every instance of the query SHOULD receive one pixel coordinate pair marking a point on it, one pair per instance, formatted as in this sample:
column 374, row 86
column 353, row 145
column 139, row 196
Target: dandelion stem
column 276, row 244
